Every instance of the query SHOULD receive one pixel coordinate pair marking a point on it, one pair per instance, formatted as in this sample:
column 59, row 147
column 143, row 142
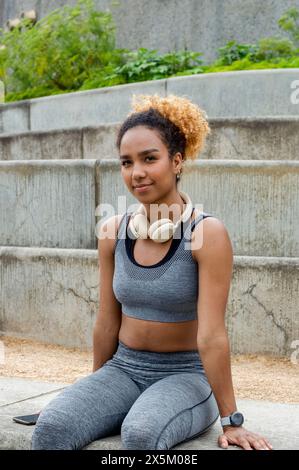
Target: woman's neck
column 171, row 208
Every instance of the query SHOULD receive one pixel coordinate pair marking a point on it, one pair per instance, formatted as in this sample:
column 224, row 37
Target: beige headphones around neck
column 161, row 230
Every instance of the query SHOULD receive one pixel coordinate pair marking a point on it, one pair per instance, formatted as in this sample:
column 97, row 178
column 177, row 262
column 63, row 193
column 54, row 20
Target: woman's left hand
column 241, row 437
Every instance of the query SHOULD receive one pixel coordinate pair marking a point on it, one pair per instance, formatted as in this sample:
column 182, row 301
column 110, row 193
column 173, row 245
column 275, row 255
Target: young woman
column 161, row 372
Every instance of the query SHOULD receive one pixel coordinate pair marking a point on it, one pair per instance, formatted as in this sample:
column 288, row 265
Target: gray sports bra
column 166, row 291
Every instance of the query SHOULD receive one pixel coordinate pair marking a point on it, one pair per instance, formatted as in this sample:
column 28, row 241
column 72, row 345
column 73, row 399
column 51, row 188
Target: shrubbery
column 73, row 48
column 59, row 53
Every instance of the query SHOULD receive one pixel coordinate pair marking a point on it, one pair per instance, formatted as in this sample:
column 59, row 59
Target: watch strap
column 225, row 421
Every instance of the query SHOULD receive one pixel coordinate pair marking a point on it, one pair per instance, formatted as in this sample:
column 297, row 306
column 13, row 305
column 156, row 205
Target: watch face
column 237, row 419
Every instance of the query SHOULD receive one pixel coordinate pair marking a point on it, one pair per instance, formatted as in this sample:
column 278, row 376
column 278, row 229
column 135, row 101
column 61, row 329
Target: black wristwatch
column 235, row 419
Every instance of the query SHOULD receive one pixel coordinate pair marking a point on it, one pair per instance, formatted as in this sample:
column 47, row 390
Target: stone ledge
column 222, row 94
column 60, row 288
column 244, row 138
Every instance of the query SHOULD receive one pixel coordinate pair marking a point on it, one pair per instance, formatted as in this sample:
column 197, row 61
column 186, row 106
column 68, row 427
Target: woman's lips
column 142, row 188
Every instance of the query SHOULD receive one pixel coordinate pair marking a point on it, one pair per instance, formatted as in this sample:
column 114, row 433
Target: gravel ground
column 254, row 376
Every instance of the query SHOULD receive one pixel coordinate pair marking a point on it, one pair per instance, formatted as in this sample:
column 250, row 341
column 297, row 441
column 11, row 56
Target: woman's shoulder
column 209, row 234
column 206, row 215
column 108, row 231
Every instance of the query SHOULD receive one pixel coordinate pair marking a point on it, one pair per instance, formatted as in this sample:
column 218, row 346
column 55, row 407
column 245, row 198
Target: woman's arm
column 104, row 346
column 214, row 254
column 108, row 321
column 215, row 357
column 215, row 264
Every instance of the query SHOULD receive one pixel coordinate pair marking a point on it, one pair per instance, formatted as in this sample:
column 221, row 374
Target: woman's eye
column 128, row 161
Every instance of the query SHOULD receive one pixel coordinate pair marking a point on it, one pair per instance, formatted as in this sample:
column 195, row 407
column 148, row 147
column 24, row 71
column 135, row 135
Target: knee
column 140, row 436
column 49, row 436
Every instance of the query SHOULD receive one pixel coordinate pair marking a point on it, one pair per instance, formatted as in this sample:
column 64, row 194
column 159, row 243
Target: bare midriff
column 158, row 336
column 153, row 335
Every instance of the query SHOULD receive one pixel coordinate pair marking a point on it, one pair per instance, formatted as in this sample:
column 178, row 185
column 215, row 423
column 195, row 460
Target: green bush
column 145, row 64
column 266, row 49
column 289, row 22
column 247, row 64
column 275, row 47
column 73, row 49
column 233, row 51
column 59, row 53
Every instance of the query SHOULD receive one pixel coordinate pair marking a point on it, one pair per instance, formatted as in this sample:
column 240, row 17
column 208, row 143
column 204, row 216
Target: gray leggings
column 154, row 400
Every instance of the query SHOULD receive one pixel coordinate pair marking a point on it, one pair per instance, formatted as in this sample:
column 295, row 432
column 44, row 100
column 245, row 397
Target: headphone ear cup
column 139, row 225
column 161, row 230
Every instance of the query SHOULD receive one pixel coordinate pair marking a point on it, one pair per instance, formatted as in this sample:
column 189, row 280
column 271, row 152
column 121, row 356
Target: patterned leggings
column 154, row 400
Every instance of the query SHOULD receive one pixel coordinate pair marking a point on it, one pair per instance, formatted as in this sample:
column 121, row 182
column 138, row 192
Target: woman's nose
column 138, row 171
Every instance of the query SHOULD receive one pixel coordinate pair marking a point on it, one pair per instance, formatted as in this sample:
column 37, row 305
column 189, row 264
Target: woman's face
column 144, row 160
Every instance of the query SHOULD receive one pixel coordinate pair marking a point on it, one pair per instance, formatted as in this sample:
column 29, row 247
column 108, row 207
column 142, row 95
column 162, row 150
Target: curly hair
column 182, row 125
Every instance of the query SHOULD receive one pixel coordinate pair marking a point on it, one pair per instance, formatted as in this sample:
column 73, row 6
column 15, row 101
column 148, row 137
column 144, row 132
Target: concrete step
column 277, row 422
column 51, row 295
column 48, row 203
column 54, row 203
column 69, row 144
column 248, row 93
column 251, row 138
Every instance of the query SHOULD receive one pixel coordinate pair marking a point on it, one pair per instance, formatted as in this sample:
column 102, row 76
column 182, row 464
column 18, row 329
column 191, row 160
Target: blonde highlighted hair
column 189, row 118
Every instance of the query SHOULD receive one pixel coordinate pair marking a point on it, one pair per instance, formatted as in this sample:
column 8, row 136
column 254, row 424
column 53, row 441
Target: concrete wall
column 258, row 201
column 246, row 93
column 231, row 138
column 199, row 25
column 57, row 210
column 52, row 203
column 56, row 299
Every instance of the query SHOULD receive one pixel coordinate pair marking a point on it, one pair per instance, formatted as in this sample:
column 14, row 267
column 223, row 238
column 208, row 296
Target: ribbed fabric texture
column 166, row 291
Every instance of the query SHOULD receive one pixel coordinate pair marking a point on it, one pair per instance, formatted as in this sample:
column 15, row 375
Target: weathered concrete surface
column 15, row 116
column 53, row 203
column 262, row 309
column 50, row 295
column 248, row 93
column 88, row 108
column 52, row 145
column 16, row 390
column 271, row 420
column 53, row 296
column 197, row 25
column 77, row 143
column 265, row 138
column 29, row 397
column 47, row 203
column 241, row 94
column 258, row 201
